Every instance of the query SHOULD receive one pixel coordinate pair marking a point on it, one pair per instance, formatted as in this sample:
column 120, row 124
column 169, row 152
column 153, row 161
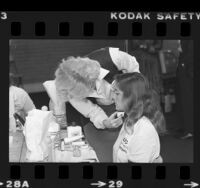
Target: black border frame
column 76, row 20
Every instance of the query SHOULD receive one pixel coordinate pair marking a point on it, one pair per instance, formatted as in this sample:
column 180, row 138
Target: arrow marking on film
column 1, row 183
column 191, row 184
column 99, row 184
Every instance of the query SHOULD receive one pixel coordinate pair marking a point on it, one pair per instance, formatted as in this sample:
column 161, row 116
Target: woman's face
column 118, row 97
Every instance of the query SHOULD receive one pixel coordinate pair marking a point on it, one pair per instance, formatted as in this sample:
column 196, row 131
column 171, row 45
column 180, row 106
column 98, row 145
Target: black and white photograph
column 100, row 101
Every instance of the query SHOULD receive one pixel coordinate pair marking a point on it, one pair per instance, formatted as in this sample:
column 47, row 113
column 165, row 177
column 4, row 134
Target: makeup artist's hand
column 113, row 121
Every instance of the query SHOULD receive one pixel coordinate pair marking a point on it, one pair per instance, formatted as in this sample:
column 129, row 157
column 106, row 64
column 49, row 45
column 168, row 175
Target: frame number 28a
column 17, row 184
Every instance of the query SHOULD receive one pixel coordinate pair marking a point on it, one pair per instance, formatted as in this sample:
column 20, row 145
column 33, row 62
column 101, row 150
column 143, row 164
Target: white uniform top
column 124, row 62
column 143, row 146
column 19, row 101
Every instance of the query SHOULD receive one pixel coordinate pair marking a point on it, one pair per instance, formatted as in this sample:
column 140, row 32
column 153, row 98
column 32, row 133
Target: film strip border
column 94, row 25
column 88, row 29
column 104, row 175
column 111, row 171
column 99, row 26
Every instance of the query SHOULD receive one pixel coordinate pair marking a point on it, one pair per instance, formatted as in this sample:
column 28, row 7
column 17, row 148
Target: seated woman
column 19, row 102
column 138, row 140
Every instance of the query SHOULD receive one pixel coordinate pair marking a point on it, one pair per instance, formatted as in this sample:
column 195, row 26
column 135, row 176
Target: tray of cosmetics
column 71, row 146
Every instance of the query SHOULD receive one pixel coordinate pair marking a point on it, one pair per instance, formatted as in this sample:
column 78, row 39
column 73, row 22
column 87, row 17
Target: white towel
column 36, row 134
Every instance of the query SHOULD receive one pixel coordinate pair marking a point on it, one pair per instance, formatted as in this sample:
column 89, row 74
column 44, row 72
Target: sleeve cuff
column 98, row 121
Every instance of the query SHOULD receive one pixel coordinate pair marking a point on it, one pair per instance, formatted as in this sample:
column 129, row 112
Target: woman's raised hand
column 113, row 121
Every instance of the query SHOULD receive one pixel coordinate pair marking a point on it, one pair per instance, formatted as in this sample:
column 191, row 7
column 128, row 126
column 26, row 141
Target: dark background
column 37, row 60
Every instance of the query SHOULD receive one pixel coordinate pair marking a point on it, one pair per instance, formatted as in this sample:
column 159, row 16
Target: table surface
column 101, row 140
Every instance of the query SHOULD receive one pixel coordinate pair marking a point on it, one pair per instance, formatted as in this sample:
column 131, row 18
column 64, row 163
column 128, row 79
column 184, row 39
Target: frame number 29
column 113, row 184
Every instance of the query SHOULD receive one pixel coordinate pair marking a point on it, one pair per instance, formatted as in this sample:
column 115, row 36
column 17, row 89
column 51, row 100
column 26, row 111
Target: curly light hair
column 76, row 77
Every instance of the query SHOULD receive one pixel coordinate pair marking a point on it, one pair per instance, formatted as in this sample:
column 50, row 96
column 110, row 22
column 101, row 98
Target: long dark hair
column 140, row 100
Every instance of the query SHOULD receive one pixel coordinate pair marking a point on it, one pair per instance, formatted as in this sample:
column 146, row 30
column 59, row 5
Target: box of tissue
column 74, row 131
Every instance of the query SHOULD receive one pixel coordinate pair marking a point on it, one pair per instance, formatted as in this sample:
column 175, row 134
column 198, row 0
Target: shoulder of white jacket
column 145, row 122
column 17, row 90
column 48, row 82
column 113, row 50
column 145, row 119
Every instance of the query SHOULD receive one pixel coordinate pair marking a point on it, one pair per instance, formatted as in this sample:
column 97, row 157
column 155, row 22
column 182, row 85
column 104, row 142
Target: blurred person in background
column 184, row 88
column 19, row 102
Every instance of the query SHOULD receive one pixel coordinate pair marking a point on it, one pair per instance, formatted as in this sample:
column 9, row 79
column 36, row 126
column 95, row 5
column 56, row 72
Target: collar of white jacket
column 103, row 73
column 96, row 94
